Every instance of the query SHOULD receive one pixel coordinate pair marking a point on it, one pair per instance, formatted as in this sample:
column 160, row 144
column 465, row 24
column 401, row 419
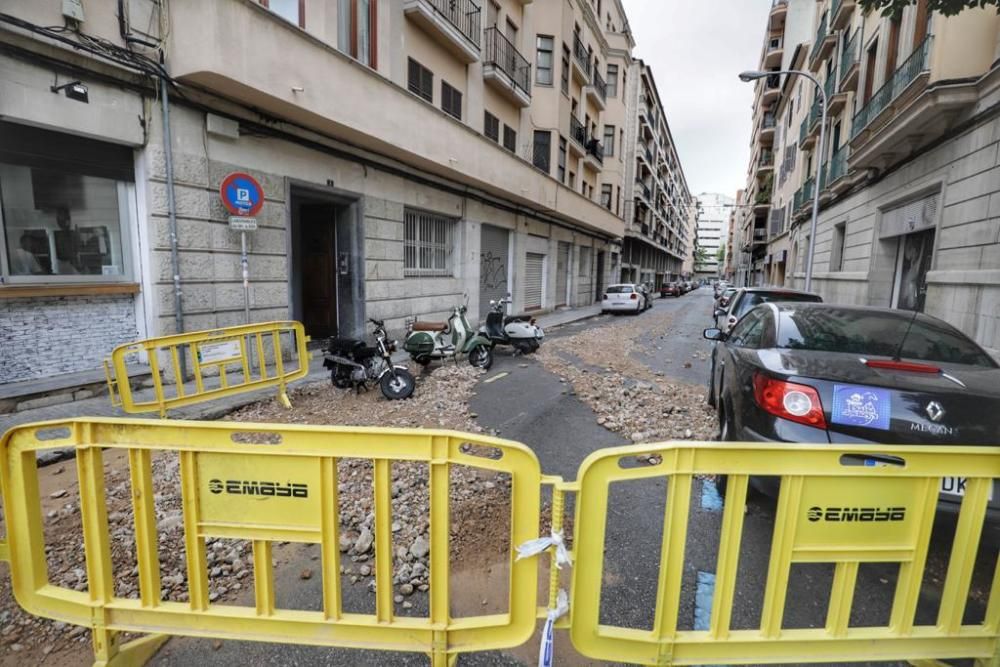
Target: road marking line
column 496, row 377
column 703, row 600
column 710, row 498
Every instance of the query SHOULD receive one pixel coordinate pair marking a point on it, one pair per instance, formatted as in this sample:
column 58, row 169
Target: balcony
column 595, row 155
column 807, row 133
column 841, row 14
column 581, row 61
column 772, row 90
column 837, row 179
column 774, row 52
column 765, row 163
column 578, row 134
column 779, row 9
column 643, row 189
column 505, row 68
column 850, row 64
column 767, row 125
column 822, row 46
column 806, row 192
column 597, row 91
column 905, row 85
column 762, row 201
column 454, row 23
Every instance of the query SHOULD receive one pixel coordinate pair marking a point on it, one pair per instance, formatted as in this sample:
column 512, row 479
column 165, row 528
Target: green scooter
column 431, row 341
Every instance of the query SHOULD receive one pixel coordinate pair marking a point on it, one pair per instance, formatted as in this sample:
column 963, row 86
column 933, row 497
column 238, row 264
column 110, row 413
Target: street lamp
column 746, row 77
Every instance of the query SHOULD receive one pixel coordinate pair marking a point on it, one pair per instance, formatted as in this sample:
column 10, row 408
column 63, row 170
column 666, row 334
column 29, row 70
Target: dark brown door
column 319, row 300
column 892, row 48
column 920, row 24
column 870, row 71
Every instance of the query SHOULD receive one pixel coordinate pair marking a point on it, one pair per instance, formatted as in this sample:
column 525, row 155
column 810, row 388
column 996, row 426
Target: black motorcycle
column 353, row 363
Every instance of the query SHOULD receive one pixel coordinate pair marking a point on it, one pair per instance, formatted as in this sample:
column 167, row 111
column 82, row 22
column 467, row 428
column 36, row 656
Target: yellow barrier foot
column 135, row 653
column 283, row 399
column 443, row 659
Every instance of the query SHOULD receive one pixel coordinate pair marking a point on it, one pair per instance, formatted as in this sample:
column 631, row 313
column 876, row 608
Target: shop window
column 65, row 208
column 427, row 244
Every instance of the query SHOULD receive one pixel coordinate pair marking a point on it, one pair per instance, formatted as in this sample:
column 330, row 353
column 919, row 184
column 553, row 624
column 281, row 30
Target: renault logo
column 934, row 411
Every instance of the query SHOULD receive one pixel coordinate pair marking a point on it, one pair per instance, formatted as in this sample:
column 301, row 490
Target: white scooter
column 519, row 331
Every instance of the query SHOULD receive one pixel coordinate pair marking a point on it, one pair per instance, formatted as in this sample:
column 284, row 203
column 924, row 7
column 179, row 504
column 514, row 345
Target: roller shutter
column 562, row 273
column 534, row 272
column 493, row 247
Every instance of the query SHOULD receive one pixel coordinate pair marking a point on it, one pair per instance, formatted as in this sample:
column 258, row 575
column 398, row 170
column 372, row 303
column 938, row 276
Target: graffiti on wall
column 492, row 271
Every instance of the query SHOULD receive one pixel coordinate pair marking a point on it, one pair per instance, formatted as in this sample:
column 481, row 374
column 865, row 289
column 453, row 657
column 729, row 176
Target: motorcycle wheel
column 535, row 345
column 481, row 357
column 523, row 346
column 423, row 361
column 397, row 386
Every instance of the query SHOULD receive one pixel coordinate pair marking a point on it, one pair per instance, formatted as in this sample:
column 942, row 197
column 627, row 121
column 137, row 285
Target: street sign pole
column 245, row 264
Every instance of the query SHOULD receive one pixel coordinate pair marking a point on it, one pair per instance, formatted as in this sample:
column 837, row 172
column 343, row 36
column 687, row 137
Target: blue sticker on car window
column 862, row 406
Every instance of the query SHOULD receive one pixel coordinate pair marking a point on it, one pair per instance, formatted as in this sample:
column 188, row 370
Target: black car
column 747, row 298
column 816, row 373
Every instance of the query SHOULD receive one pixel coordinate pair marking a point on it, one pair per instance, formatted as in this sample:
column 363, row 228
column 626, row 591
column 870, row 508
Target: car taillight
column 788, row 400
column 634, row 296
column 902, row 366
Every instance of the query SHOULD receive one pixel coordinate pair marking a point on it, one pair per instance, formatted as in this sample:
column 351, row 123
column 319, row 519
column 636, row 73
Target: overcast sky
column 696, row 48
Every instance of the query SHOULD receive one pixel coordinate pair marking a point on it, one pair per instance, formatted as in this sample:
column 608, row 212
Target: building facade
column 712, row 234
column 658, row 202
column 908, row 175
column 466, row 151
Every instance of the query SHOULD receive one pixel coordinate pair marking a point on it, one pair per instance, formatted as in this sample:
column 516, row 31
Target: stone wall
column 43, row 337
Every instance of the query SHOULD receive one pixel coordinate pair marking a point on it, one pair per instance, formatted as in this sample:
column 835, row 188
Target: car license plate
column 955, row 486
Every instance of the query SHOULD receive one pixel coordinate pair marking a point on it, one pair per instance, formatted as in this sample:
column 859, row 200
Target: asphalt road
column 524, row 402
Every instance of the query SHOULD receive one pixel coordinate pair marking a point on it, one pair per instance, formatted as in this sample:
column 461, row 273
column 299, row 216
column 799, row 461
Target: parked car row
column 788, row 368
column 677, row 288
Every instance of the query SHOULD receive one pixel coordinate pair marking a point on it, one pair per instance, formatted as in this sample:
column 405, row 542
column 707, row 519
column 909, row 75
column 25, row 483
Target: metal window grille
column 427, row 245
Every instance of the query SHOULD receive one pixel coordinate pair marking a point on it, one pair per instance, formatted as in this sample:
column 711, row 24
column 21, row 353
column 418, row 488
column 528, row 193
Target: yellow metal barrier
column 837, row 505
column 830, row 510
column 298, row 459
column 226, row 361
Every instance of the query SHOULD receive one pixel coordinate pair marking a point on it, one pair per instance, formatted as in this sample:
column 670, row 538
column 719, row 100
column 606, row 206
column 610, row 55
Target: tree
column 721, row 254
column 946, row 7
column 700, row 255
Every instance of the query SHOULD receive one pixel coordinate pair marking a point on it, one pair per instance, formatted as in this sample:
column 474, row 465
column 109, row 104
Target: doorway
column 599, row 280
column 913, row 261
column 327, row 264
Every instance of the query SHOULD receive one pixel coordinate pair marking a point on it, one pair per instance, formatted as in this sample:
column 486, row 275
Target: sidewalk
column 100, row 406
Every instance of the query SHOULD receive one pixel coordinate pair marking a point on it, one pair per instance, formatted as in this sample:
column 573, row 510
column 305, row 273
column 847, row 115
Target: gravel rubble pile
column 626, row 395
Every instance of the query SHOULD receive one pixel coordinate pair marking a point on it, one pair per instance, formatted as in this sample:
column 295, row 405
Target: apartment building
column 413, row 155
column 712, row 232
column 908, row 175
column 658, row 204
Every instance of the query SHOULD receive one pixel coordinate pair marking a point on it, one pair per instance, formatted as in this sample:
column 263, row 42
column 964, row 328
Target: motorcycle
column 353, row 363
column 430, row 341
column 519, row 331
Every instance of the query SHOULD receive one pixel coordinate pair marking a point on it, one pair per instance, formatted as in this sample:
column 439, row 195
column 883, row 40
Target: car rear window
column 751, row 299
column 877, row 334
column 620, row 289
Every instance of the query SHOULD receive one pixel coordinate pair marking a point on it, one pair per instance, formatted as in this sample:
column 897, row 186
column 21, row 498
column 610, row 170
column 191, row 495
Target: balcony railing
column 807, row 190
column 763, row 197
column 838, row 165
column 804, row 129
column 577, row 131
column 769, row 121
column 766, row 159
column 644, row 189
column 581, row 54
column 648, row 153
column 901, row 79
column 501, row 54
column 596, row 148
column 820, row 37
column 850, row 55
column 463, row 14
column 599, row 85
column 835, row 7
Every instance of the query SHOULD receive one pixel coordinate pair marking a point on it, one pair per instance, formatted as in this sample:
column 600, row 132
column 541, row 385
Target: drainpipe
column 175, row 268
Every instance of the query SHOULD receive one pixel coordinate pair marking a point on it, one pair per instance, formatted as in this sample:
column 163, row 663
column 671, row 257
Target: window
column 491, row 127
column 509, row 138
column 451, row 100
column 837, row 249
column 606, row 195
column 420, row 80
column 584, row 270
column 290, row 10
column 565, row 69
column 543, row 60
column 427, row 244
column 562, row 160
column 749, row 330
column 541, row 156
column 609, row 140
column 612, row 80
column 66, row 208
column 357, row 29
